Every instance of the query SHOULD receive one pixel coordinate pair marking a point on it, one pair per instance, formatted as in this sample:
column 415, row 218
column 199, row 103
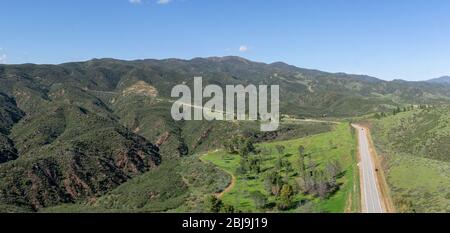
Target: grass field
column 338, row 144
column 414, row 146
column 424, row 182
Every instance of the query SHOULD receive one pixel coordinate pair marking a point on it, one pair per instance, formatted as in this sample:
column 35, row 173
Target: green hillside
column 79, row 132
column 415, row 147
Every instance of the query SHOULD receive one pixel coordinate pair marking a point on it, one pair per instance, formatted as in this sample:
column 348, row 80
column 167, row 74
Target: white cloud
column 163, row 2
column 243, row 48
column 135, row 1
column 2, row 58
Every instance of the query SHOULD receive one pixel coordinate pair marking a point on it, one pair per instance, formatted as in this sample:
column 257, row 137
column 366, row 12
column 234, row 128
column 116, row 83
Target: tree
column 285, row 200
column 232, row 145
column 243, row 166
column 287, row 192
column 321, row 184
column 309, row 181
column 240, row 145
column 397, row 110
column 302, row 173
column 243, row 151
column 273, row 183
column 213, row 204
column 301, row 165
column 283, row 163
column 246, row 147
column 334, row 168
column 254, row 164
column 248, row 143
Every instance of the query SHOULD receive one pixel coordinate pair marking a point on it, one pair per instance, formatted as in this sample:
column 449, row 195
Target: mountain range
column 78, row 130
column 440, row 80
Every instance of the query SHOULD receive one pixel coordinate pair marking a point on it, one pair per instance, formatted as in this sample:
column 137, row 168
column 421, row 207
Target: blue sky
column 408, row 39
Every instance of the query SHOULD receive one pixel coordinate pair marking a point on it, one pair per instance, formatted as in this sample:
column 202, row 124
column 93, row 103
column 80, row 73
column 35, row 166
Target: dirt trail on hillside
column 230, row 185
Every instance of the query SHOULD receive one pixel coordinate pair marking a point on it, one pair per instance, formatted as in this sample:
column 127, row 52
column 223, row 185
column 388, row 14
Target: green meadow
column 338, row 144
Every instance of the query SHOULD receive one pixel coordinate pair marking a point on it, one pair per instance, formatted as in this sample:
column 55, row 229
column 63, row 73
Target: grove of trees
column 312, row 179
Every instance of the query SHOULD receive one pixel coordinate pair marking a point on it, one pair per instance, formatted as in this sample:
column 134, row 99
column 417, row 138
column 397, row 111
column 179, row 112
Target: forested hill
column 77, row 130
column 304, row 92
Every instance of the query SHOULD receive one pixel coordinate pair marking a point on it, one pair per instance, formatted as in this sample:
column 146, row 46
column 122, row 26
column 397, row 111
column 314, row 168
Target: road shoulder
column 358, row 159
column 387, row 203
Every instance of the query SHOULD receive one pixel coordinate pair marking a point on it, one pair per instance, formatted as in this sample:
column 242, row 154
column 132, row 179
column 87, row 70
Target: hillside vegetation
column 415, row 147
column 282, row 164
column 78, row 131
column 178, row 184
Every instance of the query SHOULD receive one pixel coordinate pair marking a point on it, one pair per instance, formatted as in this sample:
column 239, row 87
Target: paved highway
column 371, row 198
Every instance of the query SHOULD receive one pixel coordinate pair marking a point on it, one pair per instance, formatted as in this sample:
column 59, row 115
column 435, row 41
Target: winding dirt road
column 230, row 185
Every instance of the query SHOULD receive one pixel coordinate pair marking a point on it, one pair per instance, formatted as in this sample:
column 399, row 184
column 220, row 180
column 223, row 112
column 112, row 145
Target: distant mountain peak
column 282, row 65
column 228, row 58
column 440, row 80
